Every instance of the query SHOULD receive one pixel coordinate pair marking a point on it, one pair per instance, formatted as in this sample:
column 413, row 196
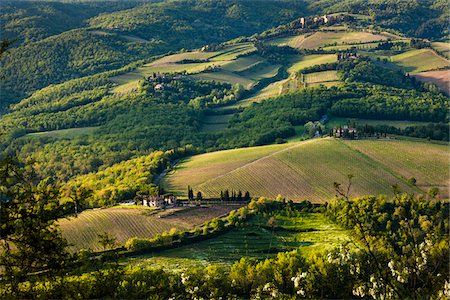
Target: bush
column 137, row 244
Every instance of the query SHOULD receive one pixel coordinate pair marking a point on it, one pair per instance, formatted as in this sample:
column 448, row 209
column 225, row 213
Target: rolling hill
column 307, row 170
column 123, row 222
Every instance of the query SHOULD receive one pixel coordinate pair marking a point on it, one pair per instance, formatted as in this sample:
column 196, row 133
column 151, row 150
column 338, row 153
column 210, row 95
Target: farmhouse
column 159, row 87
column 160, row 201
column 345, row 132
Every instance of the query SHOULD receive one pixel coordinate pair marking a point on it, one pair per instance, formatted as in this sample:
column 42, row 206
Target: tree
column 247, row 196
column 190, row 193
column 106, row 240
column 226, row 196
column 31, row 240
column 199, row 196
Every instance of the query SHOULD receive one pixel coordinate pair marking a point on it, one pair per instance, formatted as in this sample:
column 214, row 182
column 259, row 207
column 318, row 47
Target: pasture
column 308, row 232
column 307, row 170
column 124, row 222
column 420, row 60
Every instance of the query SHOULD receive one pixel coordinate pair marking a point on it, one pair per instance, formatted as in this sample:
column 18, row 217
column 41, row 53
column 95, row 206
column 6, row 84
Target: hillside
column 155, row 28
column 124, row 222
column 307, row 170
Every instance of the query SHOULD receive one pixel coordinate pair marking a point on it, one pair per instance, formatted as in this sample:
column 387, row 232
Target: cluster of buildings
column 345, row 132
column 161, row 79
column 319, row 19
column 160, row 201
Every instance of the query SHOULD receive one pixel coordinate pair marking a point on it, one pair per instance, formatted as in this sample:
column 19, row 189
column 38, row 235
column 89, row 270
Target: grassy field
column 440, row 78
column 420, row 60
column 301, row 62
column 64, row 133
column 307, row 170
column 443, row 48
column 309, row 232
column 124, row 222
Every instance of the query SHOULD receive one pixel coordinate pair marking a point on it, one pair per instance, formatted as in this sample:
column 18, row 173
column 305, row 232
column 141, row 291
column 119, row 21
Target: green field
column 309, row 232
column 124, row 222
column 129, row 81
column 427, row 163
column 330, row 77
column 65, row 133
column 420, row 60
column 292, row 41
column 307, row 170
column 301, row 62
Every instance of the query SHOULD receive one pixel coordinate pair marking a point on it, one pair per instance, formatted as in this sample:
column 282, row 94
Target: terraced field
column 420, row 60
column 307, row 170
column 124, row 222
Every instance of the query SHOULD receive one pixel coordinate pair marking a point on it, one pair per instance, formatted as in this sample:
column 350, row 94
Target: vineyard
column 426, row 162
column 124, row 222
column 307, row 170
column 420, row 60
column 440, row 78
column 322, row 38
column 321, row 78
column 309, row 232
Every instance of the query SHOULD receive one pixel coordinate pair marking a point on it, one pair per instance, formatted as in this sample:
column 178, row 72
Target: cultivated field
column 324, row 38
column 427, row 163
column 307, row 170
column 172, row 63
column 420, row 60
column 443, row 48
column 124, row 222
column 301, row 62
column 292, row 41
column 309, row 233
column 198, row 169
column 440, row 78
column 321, row 77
